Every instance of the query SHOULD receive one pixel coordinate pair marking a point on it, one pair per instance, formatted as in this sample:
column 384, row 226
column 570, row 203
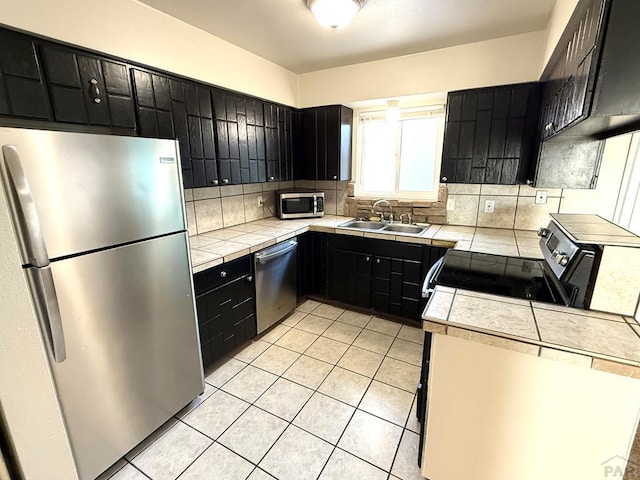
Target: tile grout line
column 181, row 420
column 388, row 472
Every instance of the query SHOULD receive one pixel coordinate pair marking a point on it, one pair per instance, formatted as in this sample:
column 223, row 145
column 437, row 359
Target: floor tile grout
column 313, row 392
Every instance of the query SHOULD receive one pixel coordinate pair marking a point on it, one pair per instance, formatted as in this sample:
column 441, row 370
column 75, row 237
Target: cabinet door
column 237, row 139
column 175, row 109
column 490, row 134
column 226, row 318
column 350, row 277
column 86, row 89
column 381, row 295
column 364, row 279
column 307, row 163
column 326, row 144
column 22, row 89
column 313, row 267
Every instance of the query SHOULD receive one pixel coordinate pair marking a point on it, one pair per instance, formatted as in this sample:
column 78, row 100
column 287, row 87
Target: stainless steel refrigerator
column 101, row 226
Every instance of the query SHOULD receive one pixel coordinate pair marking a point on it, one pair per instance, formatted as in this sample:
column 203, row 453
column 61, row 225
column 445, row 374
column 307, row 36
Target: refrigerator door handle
column 24, row 210
column 43, row 290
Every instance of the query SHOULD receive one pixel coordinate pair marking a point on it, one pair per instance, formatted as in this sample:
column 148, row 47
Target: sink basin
column 363, row 225
column 383, row 227
column 404, row 229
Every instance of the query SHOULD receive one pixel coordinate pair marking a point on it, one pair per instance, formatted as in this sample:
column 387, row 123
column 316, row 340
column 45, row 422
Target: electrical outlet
column 260, row 201
column 451, row 204
column 489, row 206
column 541, row 197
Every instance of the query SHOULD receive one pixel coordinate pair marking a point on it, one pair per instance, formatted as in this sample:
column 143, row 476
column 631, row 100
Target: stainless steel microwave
column 299, row 204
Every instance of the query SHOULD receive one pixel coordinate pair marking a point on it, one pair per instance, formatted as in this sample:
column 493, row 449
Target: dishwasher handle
column 264, row 258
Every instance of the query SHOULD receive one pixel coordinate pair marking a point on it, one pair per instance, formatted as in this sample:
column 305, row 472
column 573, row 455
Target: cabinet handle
column 271, row 179
column 335, row 177
column 214, row 182
column 223, row 274
column 96, row 91
column 444, row 179
column 249, row 278
column 529, row 182
column 377, row 260
column 225, row 180
column 368, row 259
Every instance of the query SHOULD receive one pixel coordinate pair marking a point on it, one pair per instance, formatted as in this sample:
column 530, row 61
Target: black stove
column 565, row 275
column 497, row 274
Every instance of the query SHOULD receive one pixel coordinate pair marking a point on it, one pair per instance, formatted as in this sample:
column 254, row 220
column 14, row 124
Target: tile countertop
column 216, row 247
column 592, row 339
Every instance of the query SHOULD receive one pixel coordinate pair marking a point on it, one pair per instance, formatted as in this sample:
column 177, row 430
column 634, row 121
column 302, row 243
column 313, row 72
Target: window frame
column 426, row 111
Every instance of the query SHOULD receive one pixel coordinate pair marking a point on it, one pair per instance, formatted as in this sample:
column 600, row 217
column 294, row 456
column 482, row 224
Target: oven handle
column 426, row 291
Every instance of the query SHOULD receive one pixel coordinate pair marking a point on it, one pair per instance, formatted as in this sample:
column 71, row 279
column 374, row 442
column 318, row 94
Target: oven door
column 429, row 280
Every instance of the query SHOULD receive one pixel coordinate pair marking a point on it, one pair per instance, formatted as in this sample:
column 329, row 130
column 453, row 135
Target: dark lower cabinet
column 225, row 301
column 87, row 89
column 382, row 275
column 23, row 92
column 313, row 264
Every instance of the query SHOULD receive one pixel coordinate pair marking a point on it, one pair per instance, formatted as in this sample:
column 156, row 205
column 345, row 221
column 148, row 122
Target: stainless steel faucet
column 409, row 218
column 378, row 202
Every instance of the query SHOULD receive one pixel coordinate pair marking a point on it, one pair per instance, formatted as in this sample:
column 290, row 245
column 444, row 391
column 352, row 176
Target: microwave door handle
column 315, row 204
column 23, row 208
column 45, row 299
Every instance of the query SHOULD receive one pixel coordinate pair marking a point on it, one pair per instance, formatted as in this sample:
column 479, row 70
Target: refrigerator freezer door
column 133, row 356
column 94, row 191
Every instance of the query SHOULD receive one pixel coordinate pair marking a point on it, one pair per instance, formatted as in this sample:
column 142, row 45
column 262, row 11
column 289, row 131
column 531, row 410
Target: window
column 400, row 159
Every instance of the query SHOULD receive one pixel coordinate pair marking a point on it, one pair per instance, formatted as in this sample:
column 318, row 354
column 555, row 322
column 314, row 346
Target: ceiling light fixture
column 393, row 111
column 334, row 13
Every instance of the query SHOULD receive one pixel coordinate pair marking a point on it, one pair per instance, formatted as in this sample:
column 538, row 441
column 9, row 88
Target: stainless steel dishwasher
column 276, row 270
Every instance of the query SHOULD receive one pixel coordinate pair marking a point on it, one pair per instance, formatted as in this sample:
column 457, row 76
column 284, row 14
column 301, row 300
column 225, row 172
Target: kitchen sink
column 405, row 229
column 363, row 225
column 383, row 227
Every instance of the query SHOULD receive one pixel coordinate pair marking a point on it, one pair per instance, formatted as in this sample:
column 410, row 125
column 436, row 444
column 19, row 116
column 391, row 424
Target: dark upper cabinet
column 593, row 77
column 240, row 160
column 326, row 144
column 254, row 139
column 592, row 92
column 86, row 89
column 490, row 134
column 172, row 108
column 23, row 91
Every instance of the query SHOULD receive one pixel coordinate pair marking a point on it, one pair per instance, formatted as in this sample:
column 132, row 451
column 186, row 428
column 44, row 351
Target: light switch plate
column 451, row 204
column 260, row 201
column 541, row 197
column 489, row 206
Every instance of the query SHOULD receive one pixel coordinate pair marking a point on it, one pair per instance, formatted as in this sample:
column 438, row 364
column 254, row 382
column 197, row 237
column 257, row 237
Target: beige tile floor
column 326, row 394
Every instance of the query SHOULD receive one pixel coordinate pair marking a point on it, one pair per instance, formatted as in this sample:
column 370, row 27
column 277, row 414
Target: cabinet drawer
column 217, row 276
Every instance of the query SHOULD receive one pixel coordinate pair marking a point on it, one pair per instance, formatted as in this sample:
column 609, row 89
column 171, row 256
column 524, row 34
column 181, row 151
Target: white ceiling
column 286, row 33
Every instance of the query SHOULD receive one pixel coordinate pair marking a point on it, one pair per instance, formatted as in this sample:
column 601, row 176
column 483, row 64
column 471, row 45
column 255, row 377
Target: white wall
column 559, row 17
column 134, row 31
column 492, row 62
